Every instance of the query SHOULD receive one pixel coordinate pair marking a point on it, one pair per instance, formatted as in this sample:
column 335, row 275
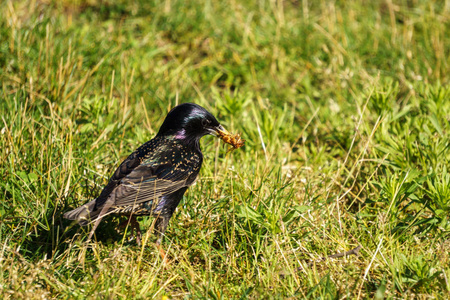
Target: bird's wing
column 125, row 168
column 150, row 182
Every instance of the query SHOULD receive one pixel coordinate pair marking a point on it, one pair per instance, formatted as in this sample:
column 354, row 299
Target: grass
column 345, row 109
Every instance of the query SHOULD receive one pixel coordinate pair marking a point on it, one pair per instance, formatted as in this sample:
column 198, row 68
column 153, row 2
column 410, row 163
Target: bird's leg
column 162, row 253
column 134, row 225
column 160, row 229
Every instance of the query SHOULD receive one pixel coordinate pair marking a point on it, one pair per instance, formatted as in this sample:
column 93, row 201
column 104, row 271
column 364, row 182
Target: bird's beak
column 219, row 131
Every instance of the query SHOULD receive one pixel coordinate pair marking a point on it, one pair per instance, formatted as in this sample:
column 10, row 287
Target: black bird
column 153, row 179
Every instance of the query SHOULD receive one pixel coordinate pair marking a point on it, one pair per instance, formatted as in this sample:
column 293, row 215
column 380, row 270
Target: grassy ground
column 345, row 106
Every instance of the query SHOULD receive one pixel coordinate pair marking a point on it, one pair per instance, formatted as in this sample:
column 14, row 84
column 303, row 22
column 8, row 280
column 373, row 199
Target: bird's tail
column 83, row 214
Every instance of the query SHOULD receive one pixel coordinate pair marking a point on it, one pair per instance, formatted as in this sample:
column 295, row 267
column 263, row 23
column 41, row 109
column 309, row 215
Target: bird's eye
column 205, row 122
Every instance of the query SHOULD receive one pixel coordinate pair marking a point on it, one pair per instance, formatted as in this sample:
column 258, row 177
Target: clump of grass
column 345, row 112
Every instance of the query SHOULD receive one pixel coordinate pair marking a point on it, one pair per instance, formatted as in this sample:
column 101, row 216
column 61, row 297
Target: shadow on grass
column 45, row 242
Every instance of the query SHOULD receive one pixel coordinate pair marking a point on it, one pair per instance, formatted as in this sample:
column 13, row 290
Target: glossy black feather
column 153, row 179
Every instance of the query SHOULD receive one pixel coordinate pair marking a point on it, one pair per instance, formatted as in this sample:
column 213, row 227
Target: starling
column 153, row 179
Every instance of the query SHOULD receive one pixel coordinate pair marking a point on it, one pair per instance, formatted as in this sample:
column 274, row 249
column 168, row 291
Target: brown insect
column 234, row 140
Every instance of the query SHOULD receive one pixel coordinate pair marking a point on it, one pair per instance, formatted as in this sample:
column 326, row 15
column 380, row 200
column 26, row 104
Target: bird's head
column 189, row 122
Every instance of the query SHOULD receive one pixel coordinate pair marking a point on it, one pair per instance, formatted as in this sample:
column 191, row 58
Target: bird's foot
column 163, row 254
